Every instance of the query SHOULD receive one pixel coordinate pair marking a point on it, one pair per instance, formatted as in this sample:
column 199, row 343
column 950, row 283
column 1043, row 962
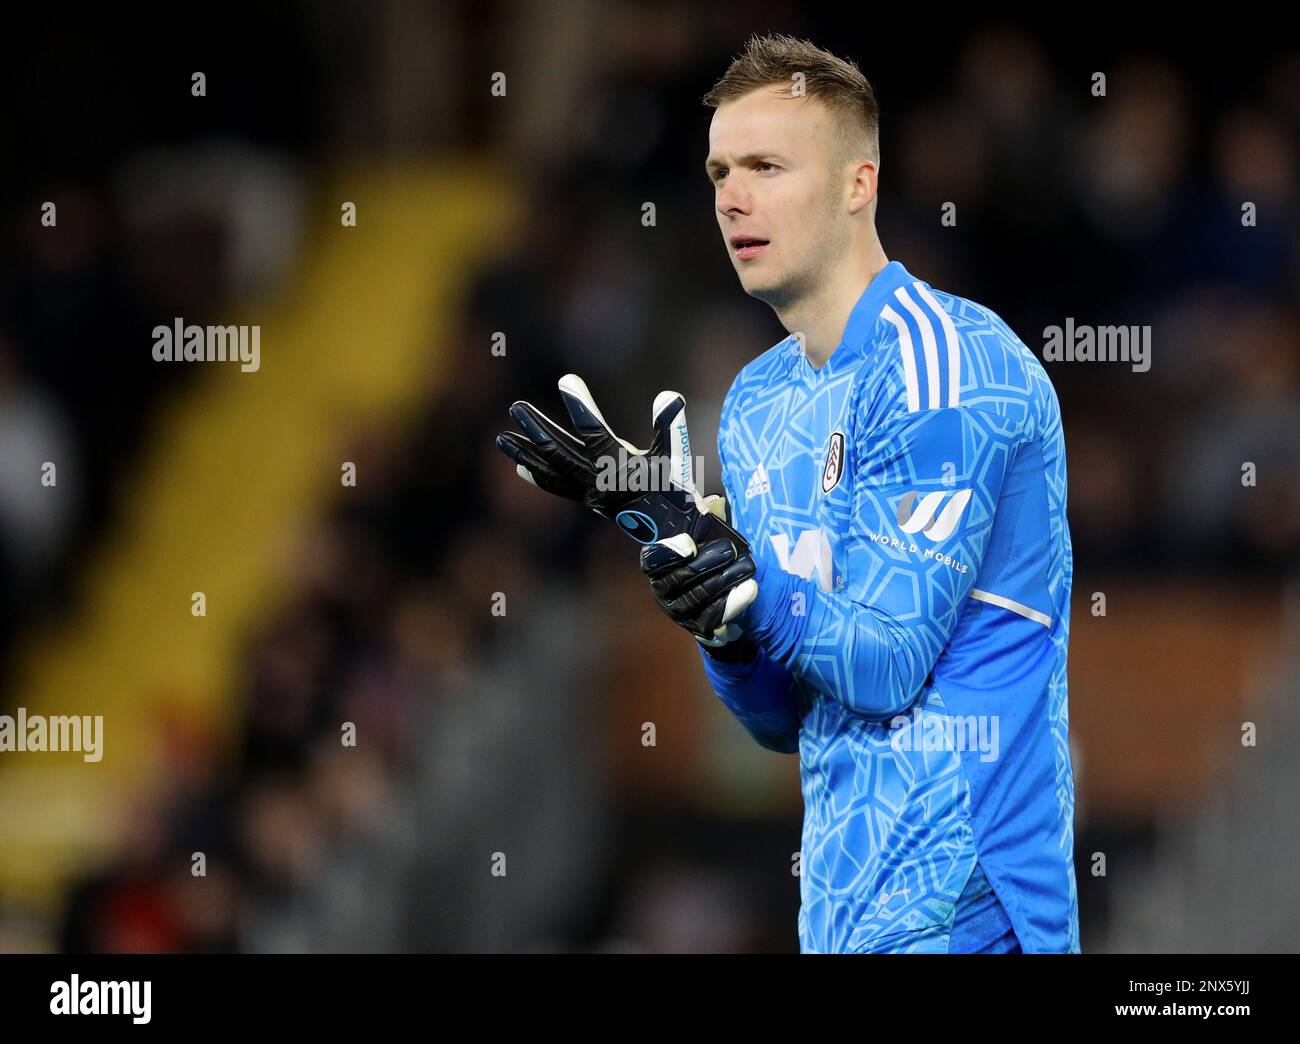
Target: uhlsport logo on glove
column 639, row 526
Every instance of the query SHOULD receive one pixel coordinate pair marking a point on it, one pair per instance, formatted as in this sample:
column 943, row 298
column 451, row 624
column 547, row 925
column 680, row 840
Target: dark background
column 523, row 734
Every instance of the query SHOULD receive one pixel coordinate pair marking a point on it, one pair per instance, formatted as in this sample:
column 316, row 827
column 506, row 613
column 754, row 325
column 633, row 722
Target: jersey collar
column 862, row 320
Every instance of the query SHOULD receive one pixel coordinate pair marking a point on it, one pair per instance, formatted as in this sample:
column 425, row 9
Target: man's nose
column 732, row 197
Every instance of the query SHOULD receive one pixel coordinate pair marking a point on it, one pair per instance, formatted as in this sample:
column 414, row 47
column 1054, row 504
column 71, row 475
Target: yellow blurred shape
column 237, row 467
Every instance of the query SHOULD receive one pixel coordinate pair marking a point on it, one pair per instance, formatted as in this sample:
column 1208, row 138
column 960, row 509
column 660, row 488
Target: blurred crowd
column 488, row 734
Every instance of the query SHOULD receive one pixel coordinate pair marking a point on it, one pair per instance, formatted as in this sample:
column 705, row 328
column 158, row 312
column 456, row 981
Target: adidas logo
column 758, row 483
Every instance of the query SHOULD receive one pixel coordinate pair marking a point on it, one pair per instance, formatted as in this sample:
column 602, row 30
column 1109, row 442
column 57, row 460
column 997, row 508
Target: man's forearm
column 860, row 662
column 761, row 695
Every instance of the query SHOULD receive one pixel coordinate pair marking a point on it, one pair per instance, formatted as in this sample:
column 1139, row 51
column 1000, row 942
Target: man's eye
column 766, row 164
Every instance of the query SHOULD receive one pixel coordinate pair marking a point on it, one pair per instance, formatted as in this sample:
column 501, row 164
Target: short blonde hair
column 835, row 82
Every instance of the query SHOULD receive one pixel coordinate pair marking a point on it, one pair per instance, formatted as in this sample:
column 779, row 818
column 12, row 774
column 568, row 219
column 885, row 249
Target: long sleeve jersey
column 905, row 504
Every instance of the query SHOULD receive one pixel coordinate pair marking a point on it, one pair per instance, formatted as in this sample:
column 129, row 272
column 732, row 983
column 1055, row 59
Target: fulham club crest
column 834, row 462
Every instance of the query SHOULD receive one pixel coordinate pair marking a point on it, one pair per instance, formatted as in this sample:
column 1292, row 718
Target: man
column 895, row 608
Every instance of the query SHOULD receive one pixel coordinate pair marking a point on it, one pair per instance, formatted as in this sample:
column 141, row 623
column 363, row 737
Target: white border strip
column 908, row 353
column 926, row 325
column 1015, row 607
column 954, row 349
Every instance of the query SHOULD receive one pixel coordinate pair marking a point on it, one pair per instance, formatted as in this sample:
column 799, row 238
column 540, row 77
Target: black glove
column 649, row 494
column 703, row 590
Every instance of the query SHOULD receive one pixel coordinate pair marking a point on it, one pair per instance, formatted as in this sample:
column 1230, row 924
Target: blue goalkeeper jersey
column 905, row 504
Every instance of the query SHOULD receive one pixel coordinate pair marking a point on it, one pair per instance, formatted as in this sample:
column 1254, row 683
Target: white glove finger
column 716, row 505
column 584, row 412
column 739, row 598
column 672, row 436
column 680, row 543
column 724, row 635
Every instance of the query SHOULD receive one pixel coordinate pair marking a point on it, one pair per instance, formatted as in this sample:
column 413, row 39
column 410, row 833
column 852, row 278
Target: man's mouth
column 748, row 248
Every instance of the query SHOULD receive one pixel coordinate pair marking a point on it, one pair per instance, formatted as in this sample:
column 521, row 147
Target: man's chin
column 752, row 280
column 764, row 290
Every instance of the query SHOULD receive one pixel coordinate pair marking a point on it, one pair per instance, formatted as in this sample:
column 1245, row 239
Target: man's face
column 770, row 159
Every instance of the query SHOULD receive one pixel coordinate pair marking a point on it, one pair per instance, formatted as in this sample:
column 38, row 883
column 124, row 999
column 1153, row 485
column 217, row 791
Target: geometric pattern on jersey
column 917, row 481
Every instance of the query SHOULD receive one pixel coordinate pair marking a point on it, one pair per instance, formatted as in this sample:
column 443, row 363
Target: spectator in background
column 35, row 518
column 1233, row 482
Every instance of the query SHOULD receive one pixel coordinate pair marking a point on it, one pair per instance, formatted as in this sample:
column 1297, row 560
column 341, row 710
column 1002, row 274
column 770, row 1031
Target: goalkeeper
column 893, row 601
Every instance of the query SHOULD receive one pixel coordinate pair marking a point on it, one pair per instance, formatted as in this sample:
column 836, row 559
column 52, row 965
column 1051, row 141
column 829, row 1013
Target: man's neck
column 822, row 317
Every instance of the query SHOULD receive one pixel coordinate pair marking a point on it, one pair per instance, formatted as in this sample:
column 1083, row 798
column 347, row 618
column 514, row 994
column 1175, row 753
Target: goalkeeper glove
column 704, row 587
column 703, row 593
